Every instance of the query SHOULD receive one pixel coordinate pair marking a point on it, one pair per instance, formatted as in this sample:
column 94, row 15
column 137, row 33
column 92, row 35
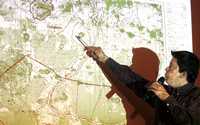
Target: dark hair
column 187, row 62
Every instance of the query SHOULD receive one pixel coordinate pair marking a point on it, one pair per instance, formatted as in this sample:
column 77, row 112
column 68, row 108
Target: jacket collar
column 183, row 90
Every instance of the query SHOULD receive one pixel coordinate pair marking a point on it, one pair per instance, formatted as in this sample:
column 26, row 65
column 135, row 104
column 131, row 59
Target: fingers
column 89, row 51
column 155, row 86
column 96, row 53
column 92, row 48
column 159, row 90
column 93, row 52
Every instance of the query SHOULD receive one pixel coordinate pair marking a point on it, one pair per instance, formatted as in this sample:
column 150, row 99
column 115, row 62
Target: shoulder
column 195, row 93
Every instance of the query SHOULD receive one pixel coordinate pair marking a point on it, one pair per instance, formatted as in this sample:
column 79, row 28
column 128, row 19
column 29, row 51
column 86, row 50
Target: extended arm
column 121, row 74
column 114, row 70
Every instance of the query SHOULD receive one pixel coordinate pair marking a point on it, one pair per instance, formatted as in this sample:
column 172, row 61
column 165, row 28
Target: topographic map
column 46, row 77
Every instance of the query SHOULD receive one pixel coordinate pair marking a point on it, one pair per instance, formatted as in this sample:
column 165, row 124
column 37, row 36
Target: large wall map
column 46, row 77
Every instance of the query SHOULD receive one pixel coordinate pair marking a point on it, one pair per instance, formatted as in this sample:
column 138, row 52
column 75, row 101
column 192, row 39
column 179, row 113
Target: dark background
column 195, row 5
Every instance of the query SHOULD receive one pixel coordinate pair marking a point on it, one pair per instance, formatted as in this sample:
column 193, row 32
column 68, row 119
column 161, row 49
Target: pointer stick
column 81, row 41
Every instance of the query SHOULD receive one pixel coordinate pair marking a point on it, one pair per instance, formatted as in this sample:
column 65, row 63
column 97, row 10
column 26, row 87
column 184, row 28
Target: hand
column 159, row 91
column 96, row 53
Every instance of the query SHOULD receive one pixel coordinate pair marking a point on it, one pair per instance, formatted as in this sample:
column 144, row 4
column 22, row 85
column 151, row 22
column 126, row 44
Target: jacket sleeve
column 128, row 77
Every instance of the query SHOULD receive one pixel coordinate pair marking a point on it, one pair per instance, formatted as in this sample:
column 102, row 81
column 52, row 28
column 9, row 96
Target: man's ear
column 184, row 75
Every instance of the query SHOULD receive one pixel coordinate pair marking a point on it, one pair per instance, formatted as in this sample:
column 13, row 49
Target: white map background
column 46, row 77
